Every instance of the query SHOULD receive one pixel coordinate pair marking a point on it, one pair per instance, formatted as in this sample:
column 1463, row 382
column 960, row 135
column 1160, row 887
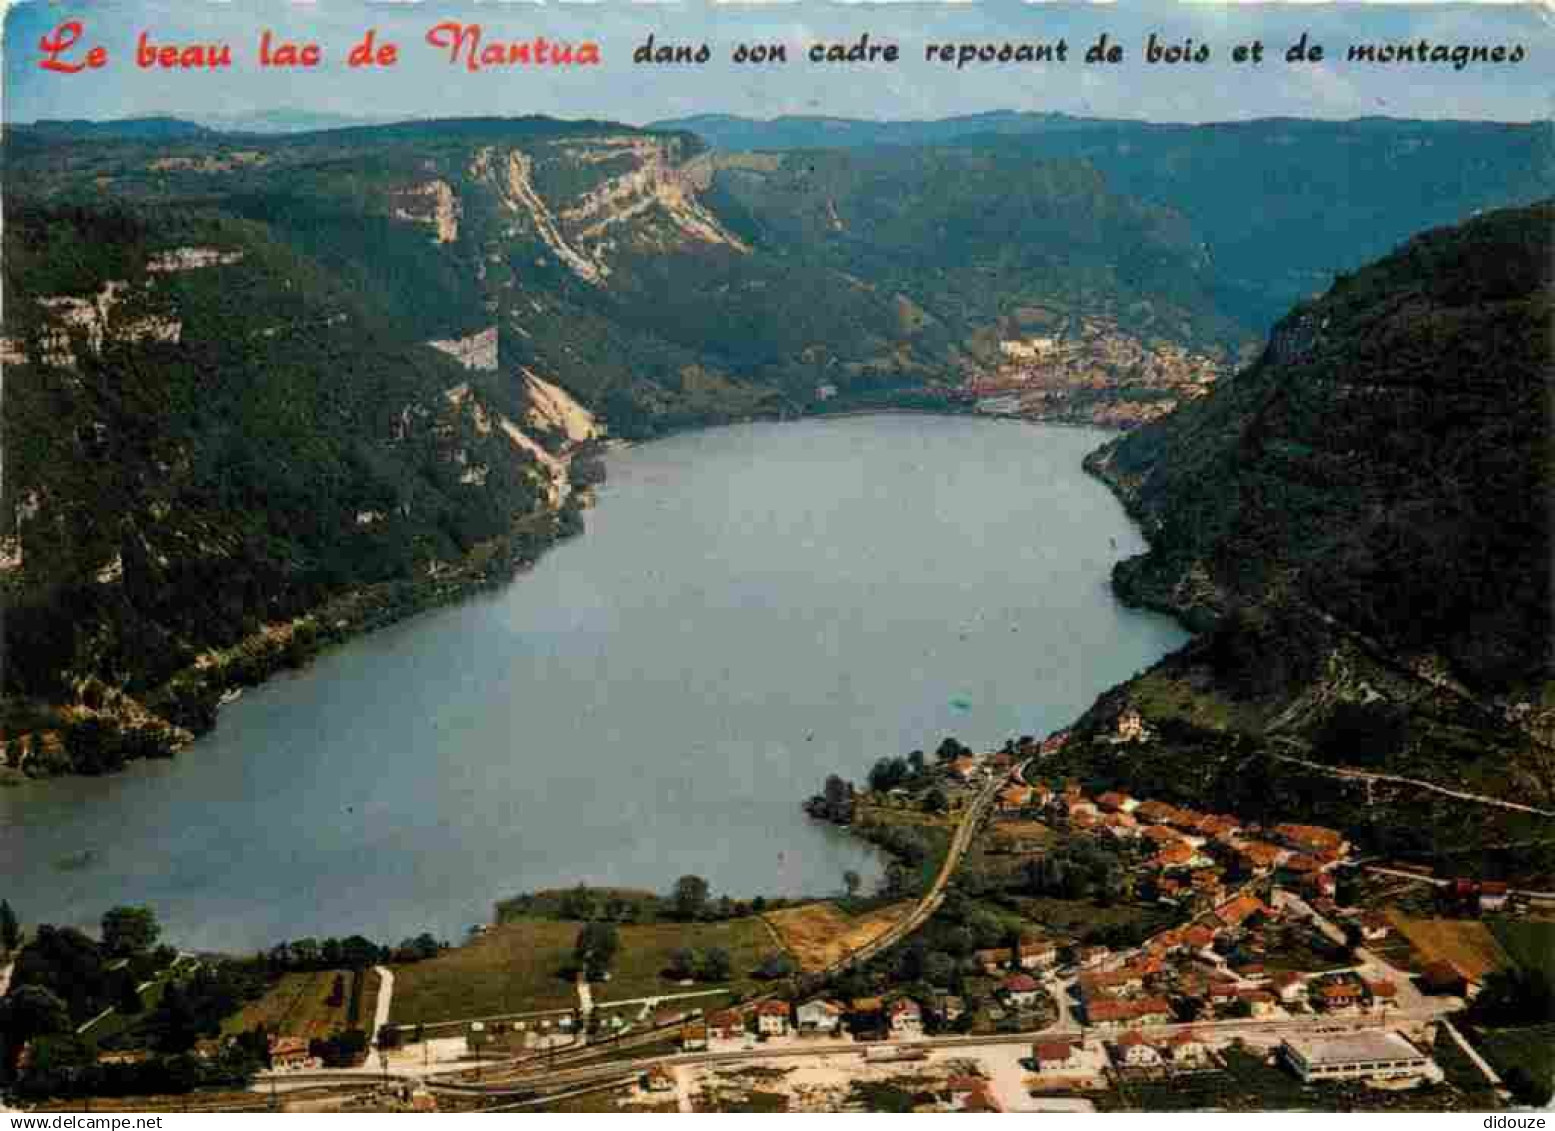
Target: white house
column 820, row 1016
column 905, row 1017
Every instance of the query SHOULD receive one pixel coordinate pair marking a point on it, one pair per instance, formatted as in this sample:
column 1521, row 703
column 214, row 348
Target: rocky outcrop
column 96, row 317
column 434, row 204
column 477, row 352
column 553, row 409
column 651, row 204
column 191, row 259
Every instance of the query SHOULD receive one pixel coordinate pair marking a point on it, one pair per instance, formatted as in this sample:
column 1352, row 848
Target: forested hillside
column 1360, row 523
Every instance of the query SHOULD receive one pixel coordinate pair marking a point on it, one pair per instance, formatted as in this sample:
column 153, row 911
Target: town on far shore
column 1033, row 945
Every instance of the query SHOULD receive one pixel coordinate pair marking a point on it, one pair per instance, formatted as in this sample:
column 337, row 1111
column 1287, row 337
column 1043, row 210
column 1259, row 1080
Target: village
column 1077, row 950
column 1262, row 970
column 1087, row 368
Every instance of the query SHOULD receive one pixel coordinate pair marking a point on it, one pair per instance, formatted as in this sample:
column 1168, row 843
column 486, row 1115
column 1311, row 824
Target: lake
column 751, row 608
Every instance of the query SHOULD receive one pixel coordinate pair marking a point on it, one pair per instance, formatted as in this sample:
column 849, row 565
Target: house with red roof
column 905, row 1017
column 1020, row 989
column 1239, row 910
column 1288, row 986
column 772, row 1018
column 1258, row 857
column 1014, row 798
column 1115, row 802
column 1056, row 1056
column 1134, row 1051
column 1187, row 1049
column 1382, row 993
column 1154, row 812
column 1493, row 895
column 1310, row 838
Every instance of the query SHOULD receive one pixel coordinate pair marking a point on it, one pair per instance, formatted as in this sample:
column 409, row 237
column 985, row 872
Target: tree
column 690, row 897
column 837, row 799
column 579, row 903
column 716, row 965
column 851, row 881
column 915, row 762
column 596, row 947
column 129, row 1002
column 896, row 879
column 935, row 800
column 10, row 929
column 682, row 964
column 337, row 992
column 130, row 930
column 775, row 965
column 33, row 1011
column 950, row 750
column 1518, row 996
column 1527, row 1090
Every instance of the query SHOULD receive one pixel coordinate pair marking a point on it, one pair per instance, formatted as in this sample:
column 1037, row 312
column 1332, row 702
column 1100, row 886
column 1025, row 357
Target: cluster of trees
column 690, row 900
column 595, row 948
column 1516, row 996
column 10, row 928
column 351, row 953
column 344, row 1049
column 711, row 965
column 1080, row 869
column 834, row 802
column 64, row 978
column 65, row 1066
column 192, row 1008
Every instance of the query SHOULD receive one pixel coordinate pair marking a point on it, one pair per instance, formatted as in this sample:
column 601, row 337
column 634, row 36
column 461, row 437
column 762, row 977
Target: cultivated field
column 819, row 934
column 1465, row 943
column 1021, row 832
column 524, row 966
column 298, row 1006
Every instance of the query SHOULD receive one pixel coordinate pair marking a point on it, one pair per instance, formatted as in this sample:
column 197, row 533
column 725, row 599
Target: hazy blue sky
column 424, row 84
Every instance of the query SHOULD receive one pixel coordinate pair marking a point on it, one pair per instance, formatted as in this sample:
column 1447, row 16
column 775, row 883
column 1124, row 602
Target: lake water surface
column 751, row 608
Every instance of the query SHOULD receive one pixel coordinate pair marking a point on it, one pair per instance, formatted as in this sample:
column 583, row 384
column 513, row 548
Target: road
column 1456, row 794
column 931, row 899
column 385, row 998
column 1436, row 882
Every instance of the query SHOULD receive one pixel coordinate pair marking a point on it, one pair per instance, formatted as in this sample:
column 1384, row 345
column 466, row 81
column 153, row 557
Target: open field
column 298, row 1006
column 1002, row 833
column 819, row 934
column 1466, row 943
column 1081, row 918
column 523, row 966
column 1530, row 943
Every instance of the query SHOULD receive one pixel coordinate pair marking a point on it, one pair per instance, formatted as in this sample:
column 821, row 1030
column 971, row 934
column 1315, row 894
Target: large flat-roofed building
column 1352, row 1056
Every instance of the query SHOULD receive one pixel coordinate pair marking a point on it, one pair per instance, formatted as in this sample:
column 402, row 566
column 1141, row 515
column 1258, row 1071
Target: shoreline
column 450, row 590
